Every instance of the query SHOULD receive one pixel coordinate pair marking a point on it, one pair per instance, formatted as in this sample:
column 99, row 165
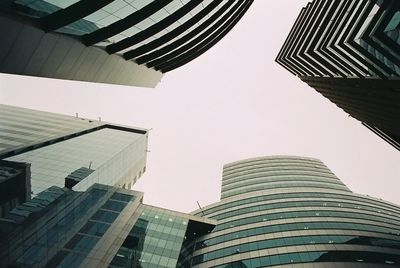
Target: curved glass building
column 129, row 42
column 294, row 212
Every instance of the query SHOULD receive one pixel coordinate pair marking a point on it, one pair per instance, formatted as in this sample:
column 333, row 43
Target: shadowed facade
column 349, row 52
column 122, row 42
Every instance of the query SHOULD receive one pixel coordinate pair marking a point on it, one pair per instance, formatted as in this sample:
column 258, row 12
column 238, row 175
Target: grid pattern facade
column 154, row 241
column 50, row 165
column 74, row 214
column 159, row 238
column 159, row 36
column 349, row 52
column 56, row 146
column 20, row 127
column 79, row 214
column 60, row 227
column 309, row 225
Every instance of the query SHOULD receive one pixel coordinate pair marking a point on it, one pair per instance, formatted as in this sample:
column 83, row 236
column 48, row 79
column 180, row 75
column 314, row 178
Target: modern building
column 349, row 52
column 124, row 42
column 63, row 202
column 103, row 226
column 159, row 238
column 287, row 211
column 71, row 149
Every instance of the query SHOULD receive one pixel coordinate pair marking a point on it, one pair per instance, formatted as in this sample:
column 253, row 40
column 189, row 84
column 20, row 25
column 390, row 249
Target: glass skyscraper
column 128, row 42
column 63, row 204
column 73, row 172
column 290, row 211
column 349, row 52
column 56, row 146
column 66, row 200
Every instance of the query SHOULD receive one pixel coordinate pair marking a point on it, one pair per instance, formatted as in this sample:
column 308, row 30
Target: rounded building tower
column 294, row 212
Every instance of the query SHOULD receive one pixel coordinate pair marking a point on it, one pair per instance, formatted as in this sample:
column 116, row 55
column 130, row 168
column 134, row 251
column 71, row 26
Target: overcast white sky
column 233, row 102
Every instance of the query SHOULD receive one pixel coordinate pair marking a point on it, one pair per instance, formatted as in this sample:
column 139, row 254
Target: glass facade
column 349, row 52
column 163, row 34
column 63, row 202
column 154, row 241
column 52, row 164
column 20, row 127
column 280, row 210
column 59, row 148
column 41, row 8
column 57, row 214
column 291, row 224
column 72, row 221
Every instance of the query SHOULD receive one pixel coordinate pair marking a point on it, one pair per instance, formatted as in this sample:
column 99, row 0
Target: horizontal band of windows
column 273, row 158
column 166, row 248
column 295, row 241
column 29, row 112
column 274, row 162
column 173, row 233
column 45, row 127
column 268, row 197
column 304, row 214
column 302, row 204
column 236, row 177
column 68, row 121
column 20, row 126
column 275, row 167
column 316, row 256
column 288, row 234
column 293, row 227
column 282, row 185
column 278, row 178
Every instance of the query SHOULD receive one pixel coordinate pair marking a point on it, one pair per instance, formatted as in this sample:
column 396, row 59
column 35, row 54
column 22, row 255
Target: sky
column 232, row 103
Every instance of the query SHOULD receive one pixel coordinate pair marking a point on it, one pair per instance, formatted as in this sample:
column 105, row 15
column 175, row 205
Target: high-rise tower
column 65, row 149
column 294, row 212
column 63, row 202
column 111, row 41
column 349, row 52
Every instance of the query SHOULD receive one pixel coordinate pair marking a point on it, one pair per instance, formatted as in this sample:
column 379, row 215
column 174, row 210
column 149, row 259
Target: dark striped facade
column 287, row 211
column 154, row 36
column 349, row 51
